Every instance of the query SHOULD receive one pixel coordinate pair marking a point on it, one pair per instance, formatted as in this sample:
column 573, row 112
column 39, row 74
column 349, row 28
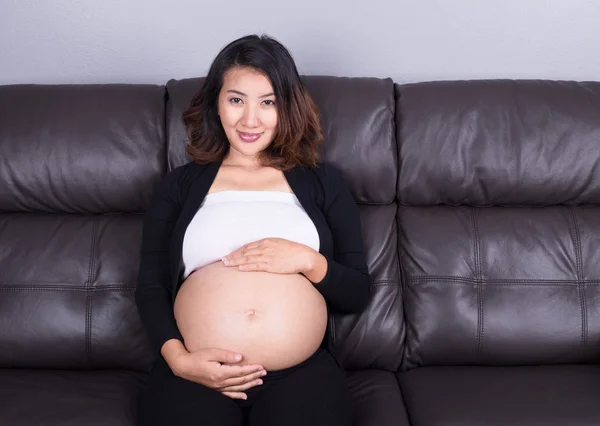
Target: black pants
column 312, row 393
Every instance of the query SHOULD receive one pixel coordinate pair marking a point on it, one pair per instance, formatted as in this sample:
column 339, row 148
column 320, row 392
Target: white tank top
column 227, row 220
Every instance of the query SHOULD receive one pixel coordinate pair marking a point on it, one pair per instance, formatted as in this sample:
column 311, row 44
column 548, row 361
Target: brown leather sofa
column 479, row 201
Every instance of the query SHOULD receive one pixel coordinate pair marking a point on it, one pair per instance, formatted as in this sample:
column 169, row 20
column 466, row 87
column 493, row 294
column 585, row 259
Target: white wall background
column 151, row 41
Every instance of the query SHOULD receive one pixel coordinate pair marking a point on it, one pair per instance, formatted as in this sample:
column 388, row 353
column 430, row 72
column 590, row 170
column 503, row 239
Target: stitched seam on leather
column 515, row 284
column 383, row 282
column 579, row 265
column 476, row 251
column 492, row 281
column 131, row 288
column 127, row 286
column 54, row 284
column 56, row 288
column 577, row 244
column 375, row 203
column 585, row 310
column 88, row 296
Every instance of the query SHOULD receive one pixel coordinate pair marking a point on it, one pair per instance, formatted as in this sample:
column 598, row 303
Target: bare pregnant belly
column 271, row 319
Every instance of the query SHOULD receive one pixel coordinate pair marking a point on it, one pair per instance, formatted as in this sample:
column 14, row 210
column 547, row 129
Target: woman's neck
column 247, row 163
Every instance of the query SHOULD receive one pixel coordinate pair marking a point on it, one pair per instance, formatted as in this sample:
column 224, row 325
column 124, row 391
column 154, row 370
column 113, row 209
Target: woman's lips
column 249, row 137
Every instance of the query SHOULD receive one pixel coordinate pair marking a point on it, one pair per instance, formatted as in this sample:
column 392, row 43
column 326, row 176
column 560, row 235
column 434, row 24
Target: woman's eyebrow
column 243, row 94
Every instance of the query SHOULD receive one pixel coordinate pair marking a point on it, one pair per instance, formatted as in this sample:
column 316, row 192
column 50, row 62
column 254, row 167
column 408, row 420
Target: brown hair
column 298, row 126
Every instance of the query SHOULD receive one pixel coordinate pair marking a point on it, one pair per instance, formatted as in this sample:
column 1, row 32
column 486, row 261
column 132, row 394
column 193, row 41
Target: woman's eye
column 269, row 102
column 235, row 100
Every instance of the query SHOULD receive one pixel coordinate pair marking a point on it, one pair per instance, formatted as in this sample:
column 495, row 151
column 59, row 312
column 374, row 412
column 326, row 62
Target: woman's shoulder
column 178, row 181
column 186, row 173
column 329, row 172
column 329, row 175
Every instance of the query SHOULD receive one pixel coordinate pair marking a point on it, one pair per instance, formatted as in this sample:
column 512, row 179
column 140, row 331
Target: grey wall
column 103, row 41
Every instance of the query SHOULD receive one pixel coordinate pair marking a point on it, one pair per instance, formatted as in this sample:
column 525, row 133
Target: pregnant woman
column 246, row 251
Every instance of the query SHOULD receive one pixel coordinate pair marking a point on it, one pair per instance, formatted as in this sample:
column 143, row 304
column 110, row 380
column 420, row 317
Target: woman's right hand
column 217, row 369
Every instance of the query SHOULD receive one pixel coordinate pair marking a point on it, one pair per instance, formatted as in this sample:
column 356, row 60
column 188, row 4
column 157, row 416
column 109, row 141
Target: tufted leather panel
column 498, row 231
column 66, row 287
column 500, row 286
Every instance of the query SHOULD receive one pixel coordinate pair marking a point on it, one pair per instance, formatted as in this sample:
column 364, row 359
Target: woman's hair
column 298, row 131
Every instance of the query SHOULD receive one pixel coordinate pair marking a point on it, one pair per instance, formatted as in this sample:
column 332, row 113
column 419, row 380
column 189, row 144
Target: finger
column 249, row 246
column 256, row 267
column 249, row 251
column 255, row 251
column 238, row 381
column 243, row 260
column 236, row 371
column 223, row 356
column 236, row 254
column 233, row 260
column 236, row 395
column 254, row 244
column 243, row 387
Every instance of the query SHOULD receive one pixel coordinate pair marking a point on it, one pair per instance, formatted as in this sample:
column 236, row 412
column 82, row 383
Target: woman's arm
column 153, row 292
column 345, row 284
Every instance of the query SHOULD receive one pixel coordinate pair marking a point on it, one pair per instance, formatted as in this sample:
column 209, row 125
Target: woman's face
column 247, row 111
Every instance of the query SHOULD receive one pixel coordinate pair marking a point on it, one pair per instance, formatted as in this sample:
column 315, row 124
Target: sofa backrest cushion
column 499, row 227
column 80, row 148
column 77, row 167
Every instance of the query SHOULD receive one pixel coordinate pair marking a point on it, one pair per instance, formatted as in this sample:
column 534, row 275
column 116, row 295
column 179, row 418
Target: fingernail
column 242, row 267
column 264, row 373
column 237, row 357
column 260, row 382
column 225, row 260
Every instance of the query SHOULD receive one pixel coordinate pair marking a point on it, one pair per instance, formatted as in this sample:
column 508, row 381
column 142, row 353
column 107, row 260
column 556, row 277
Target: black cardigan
column 322, row 192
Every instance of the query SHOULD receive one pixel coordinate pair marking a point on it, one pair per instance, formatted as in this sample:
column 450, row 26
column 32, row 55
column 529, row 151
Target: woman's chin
column 250, row 149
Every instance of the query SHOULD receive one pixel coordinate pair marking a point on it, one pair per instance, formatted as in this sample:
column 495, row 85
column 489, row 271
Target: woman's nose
column 250, row 118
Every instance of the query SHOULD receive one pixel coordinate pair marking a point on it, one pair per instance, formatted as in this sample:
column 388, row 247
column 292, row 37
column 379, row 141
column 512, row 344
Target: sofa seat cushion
column 376, row 398
column 503, row 396
column 70, row 398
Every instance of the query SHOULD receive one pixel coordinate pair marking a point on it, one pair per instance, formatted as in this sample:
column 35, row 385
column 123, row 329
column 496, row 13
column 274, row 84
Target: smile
column 249, row 137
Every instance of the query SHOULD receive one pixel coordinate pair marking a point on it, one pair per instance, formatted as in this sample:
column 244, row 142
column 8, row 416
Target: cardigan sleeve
column 346, row 285
column 153, row 291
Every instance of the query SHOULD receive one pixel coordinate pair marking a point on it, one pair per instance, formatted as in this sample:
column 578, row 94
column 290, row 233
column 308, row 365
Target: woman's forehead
column 248, row 81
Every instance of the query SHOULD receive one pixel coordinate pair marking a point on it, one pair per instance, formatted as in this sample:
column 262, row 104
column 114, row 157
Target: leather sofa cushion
column 70, row 398
column 375, row 339
column 376, row 399
column 498, row 142
column 80, row 148
column 503, row 396
column 501, row 285
column 67, row 291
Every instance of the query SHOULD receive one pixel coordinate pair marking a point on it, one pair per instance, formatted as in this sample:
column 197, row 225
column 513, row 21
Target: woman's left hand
column 274, row 255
